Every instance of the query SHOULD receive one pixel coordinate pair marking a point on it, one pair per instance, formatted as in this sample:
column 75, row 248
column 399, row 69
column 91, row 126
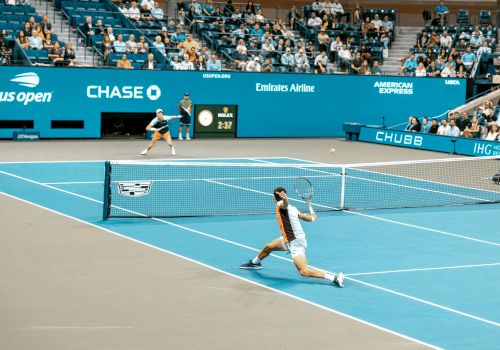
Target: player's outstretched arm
column 150, row 128
column 308, row 217
column 168, row 117
column 283, row 203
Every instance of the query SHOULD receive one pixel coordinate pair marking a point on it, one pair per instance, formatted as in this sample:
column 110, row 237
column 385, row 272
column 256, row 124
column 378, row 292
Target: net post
column 106, row 203
column 342, row 188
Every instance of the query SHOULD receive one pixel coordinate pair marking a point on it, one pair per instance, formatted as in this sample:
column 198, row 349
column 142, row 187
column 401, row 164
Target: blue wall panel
column 269, row 105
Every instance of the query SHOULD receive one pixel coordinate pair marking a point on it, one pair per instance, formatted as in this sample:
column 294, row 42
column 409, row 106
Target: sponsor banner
column 431, row 142
column 475, row 147
column 407, row 139
column 26, row 136
column 269, row 105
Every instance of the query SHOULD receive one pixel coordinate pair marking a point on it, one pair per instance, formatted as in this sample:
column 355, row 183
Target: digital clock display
column 215, row 121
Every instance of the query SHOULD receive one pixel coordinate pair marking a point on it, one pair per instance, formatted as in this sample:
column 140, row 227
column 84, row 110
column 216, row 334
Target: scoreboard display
column 215, row 121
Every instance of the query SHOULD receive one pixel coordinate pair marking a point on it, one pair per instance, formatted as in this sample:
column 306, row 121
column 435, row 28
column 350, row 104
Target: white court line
column 422, row 269
column 253, row 249
column 140, row 160
column 84, row 328
column 230, row 274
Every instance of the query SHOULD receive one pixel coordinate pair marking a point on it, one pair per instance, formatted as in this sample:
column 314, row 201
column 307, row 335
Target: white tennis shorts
column 296, row 247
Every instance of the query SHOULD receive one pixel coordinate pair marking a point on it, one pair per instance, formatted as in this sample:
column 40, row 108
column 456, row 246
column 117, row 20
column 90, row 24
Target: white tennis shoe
column 180, row 138
column 339, row 280
column 188, row 138
column 144, row 152
column 172, row 151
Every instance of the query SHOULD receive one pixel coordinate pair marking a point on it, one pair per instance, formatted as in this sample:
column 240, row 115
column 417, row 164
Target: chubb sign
column 153, row 92
column 30, row 81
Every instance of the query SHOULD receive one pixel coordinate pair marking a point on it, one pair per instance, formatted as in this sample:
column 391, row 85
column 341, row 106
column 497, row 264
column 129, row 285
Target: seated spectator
column 249, row 17
column 365, row 27
column 420, row 71
column 207, row 8
column 463, row 122
column 214, row 64
column 365, row 68
column 192, row 55
column 345, row 57
column 56, row 54
column 320, row 63
column 124, row 63
column 493, row 133
column 189, row 43
column 461, row 71
column 22, row 40
column 473, row 129
column 106, row 47
column 414, row 125
column 446, row 40
column 452, row 130
column 133, row 12
column 423, row 40
column 200, row 63
column 432, row 70
column 259, row 17
column 46, row 25
column 27, row 29
column 468, row 58
column 318, row 7
column 491, row 34
column 48, row 43
column 119, row 46
column 110, row 35
column 267, row 48
column 441, row 12
column 409, row 65
column 388, row 24
column 434, row 40
column 150, row 63
column 36, row 43
column 123, row 10
column 131, row 45
column 377, row 23
column 186, row 64
column 314, row 21
column 250, row 7
column 240, row 32
column 158, row 45
column 157, row 13
column 301, row 62
column 425, row 126
column 310, row 51
column 253, row 65
column 476, row 41
column 323, row 40
column 339, row 13
column 178, row 36
column 443, row 127
column 69, row 55
column 88, row 29
column 267, row 67
column 228, row 9
column 376, row 70
column 236, row 16
column 287, row 60
column 256, row 32
column 142, row 45
column 240, row 58
column 434, row 127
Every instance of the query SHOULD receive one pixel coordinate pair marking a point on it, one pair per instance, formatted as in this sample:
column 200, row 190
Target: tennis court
column 428, row 276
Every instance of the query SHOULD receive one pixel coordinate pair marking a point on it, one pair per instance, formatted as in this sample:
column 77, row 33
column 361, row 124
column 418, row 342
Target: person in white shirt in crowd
column 314, row 21
column 119, row 45
column 320, row 63
column 484, row 49
column 10, row 2
column 134, row 12
column 420, row 71
column 36, row 42
column 345, row 57
column 318, row 7
column 186, row 65
column 131, row 44
column 147, row 4
column 449, row 71
column 236, row 15
column 159, row 46
column 253, row 65
column 446, row 40
column 123, row 10
column 335, row 47
column 442, row 128
column 267, row 48
column 452, row 129
column 476, row 40
column 111, row 36
column 493, row 133
column 150, row 63
column 387, row 24
column 288, row 60
column 301, row 62
column 377, row 23
column 157, row 12
column 259, row 17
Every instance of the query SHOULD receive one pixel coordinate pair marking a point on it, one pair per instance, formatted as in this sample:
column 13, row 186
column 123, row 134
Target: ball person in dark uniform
column 160, row 126
column 185, row 111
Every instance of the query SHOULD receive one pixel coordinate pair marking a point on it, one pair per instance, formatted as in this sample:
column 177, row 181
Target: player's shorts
column 185, row 120
column 296, row 247
column 157, row 135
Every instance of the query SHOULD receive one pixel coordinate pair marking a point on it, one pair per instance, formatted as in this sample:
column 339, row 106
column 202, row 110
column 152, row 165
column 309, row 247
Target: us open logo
column 134, row 189
column 153, row 92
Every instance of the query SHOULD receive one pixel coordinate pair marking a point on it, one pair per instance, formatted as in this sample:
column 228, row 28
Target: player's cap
column 163, row 29
column 186, row 93
column 159, row 110
column 256, row 58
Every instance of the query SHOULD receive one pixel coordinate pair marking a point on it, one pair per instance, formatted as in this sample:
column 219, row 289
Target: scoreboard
column 215, row 121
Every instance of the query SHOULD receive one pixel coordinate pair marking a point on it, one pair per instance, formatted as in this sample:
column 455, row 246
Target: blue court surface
column 426, row 274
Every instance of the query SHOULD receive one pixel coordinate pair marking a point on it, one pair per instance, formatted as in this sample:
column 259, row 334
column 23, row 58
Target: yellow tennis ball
column 332, row 150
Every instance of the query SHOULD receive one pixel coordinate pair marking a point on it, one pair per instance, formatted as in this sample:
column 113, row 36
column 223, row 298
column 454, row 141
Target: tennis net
column 173, row 189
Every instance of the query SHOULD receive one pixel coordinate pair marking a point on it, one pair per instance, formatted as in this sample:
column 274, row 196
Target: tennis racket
column 305, row 190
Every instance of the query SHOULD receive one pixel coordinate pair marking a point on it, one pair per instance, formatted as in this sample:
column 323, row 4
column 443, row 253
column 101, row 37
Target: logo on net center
column 30, row 80
column 153, row 92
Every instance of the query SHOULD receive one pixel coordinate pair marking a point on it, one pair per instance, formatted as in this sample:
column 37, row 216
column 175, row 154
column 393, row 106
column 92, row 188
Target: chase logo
column 153, row 92
column 30, row 80
column 134, row 189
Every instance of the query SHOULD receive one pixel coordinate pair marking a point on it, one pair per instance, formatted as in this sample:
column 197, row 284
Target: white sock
column 329, row 277
column 256, row 260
